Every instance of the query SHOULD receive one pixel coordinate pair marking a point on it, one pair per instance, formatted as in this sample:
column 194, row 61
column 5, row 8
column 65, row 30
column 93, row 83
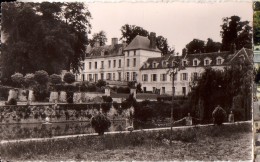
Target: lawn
column 227, row 142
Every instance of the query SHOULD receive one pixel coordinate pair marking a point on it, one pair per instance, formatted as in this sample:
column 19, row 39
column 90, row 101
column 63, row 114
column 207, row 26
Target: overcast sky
column 179, row 22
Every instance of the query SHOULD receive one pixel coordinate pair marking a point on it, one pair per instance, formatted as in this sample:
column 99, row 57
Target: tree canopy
column 129, row 32
column 199, row 46
column 256, row 26
column 98, row 37
column 235, row 31
column 43, row 36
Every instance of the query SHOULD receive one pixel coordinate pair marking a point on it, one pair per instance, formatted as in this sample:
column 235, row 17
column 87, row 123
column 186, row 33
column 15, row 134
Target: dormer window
column 102, row 52
column 206, row 62
column 184, row 62
column 195, row 62
column 219, row 60
column 164, row 64
column 154, row 65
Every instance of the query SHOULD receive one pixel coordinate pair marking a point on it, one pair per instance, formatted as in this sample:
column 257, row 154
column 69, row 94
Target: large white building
column 142, row 61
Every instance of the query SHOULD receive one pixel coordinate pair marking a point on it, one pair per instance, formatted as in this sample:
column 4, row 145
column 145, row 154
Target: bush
column 219, row 115
column 123, row 90
column 4, row 92
column 69, row 78
column 70, row 97
column 55, row 79
column 41, row 77
column 12, row 101
column 29, row 80
column 100, row 123
column 101, row 83
column 41, row 92
column 106, row 107
column 107, row 99
column 17, row 78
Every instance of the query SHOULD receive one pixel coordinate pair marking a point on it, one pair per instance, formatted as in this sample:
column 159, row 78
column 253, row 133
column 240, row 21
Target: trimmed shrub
column 69, row 78
column 101, row 83
column 107, row 99
column 100, row 123
column 17, row 78
column 106, row 107
column 219, row 115
column 29, row 80
column 123, row 90
column 55, row 79
column 12, row 101
column 41, row 77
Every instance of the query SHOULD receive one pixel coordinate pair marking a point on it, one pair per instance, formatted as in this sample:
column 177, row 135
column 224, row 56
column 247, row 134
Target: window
column 128, row 53
column 219, row 61
column 134, row 53
column 89, row 77
column 134, row 62
column 164, row 64
column 134, row 75
column 114, row 76
column 102, row 64
column 195, row 62
column 154, row 65
column 83, row 77
column 127, row 76
column 184, row 91
column 184, row 63
column 119, row 63
column 184, row 76
column 128, row 63
column 194, row 76
column 114, row 63
column 163, row 90
column 144, row 89
column 153, row 77
column 102, row 76
column 96, row 77
column 145, row 77
column 119, row 76
column 108, row 76
column 154, row 89
column 175, row 77
column 206, row 62
column 83, row 66
column 109, row 63
column 95, row 65
column 89, row 65
column 163, row 77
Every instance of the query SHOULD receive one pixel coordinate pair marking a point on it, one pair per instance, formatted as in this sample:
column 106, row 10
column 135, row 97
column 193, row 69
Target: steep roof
column 226, row 56
column 141, row 42
column 107, row 50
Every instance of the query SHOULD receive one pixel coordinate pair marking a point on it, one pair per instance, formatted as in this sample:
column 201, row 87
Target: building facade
column 141, row 61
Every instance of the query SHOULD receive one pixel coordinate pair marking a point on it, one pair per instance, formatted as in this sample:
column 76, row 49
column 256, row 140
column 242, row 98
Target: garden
column 227, row 142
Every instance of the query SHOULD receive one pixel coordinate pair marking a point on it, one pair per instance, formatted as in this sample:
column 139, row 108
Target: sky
column 179, row 22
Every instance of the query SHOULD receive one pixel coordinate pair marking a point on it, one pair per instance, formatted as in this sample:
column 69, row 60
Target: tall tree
column 235, row 31
column 212, row 46
column 256, row 26
column 129, row 32
column 43, row 36
column 98, row 37
column 195, row 46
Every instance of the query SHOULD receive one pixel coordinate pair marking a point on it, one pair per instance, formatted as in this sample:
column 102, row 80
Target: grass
column 227, row 142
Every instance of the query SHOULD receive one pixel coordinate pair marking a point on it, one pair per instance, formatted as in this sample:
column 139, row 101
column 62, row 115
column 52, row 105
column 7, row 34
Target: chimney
column 114, row 41
column 97, row 43
column 152, row 38
column 233, row 48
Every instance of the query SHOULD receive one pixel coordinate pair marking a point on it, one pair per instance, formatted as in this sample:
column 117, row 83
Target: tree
column 29, row 80
column 17, row 78
column 162, row 44
column 235, row 31
column 129, row 32
column 195, row 46
column 41, row 77
column 98, row 37
column 256, row 26
column 48, row 36
column 69, row 78
column 256, row 6
column 212, row 46
column 55, row 79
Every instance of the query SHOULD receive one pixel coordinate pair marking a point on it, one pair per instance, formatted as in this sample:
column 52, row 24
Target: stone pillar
column 133, row 91
column 77, row 97
column 63, row 96
column 22, row 95
column 13, row 93
column 31, row 97
column 107, row 91
column 54, row 96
